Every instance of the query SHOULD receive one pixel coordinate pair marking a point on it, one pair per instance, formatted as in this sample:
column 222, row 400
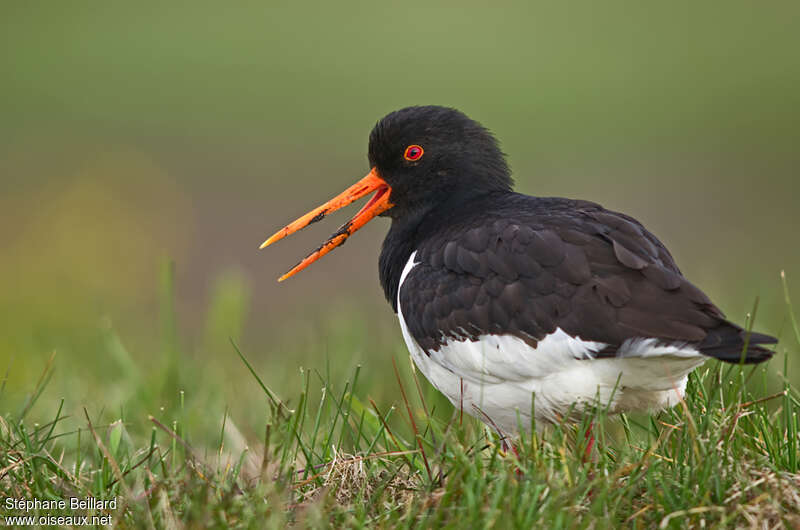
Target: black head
column 429, row 154
column 421, row 158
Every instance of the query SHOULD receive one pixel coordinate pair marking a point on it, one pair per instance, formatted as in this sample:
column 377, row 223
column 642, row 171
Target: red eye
column 413, row 153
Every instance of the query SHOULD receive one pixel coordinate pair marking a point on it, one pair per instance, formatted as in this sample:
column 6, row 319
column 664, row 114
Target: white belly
column 501, row 379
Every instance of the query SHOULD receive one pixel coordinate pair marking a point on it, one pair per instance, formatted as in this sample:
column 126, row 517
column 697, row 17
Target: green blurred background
column 135, row 135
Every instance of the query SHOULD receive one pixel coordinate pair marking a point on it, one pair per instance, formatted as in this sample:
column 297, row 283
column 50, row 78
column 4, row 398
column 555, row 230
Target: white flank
column 495, row 377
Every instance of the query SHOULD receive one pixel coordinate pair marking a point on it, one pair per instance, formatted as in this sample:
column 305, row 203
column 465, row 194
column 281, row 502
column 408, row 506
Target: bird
column 523, row 310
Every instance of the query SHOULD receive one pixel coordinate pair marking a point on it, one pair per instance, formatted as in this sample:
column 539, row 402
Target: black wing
column 525, row 266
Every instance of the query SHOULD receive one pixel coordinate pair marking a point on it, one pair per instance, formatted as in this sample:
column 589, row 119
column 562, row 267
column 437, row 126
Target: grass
column 329, row 455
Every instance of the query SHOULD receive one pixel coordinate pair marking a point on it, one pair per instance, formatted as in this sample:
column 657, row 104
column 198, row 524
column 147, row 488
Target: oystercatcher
column 503, row 298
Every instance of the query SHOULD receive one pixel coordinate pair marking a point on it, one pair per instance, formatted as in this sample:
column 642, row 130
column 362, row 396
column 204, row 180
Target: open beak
column 378, row 204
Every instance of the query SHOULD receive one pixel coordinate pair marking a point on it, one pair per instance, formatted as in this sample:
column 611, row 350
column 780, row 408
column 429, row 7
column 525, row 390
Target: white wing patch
column 641, row 347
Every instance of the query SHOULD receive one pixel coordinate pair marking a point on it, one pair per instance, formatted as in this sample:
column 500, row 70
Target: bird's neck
column 409, row 232
column 399, row 244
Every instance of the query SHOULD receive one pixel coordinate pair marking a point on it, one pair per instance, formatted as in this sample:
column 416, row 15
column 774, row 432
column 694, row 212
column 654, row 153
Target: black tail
column 726, row 342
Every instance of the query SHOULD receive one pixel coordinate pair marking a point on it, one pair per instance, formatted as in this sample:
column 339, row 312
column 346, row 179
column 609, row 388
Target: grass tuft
column 728, row 455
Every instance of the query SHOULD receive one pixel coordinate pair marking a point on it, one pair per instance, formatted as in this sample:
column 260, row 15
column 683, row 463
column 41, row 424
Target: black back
column 505, row 263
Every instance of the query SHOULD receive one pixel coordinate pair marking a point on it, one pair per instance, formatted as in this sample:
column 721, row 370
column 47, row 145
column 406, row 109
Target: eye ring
column 413, row 152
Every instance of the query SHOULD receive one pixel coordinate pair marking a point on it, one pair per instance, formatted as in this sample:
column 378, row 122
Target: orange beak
column 378, row 204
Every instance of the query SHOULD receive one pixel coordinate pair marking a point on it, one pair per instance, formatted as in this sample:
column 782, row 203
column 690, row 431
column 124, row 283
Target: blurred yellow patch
column 94, row 236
